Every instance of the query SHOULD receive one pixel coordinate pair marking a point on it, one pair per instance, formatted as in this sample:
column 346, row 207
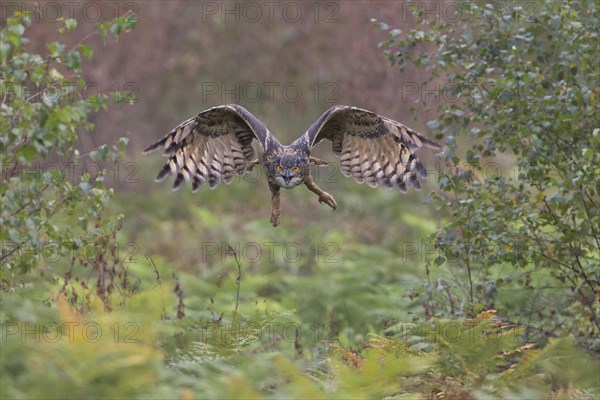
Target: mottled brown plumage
column 216, row 145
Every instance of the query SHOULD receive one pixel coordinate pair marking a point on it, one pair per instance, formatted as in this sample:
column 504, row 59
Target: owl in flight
column 216, row 145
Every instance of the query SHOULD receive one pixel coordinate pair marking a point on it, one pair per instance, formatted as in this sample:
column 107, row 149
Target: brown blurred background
column 287, row 62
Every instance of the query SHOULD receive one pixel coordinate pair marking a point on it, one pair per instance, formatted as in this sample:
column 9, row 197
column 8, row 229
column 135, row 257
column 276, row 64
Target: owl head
column 289, row 170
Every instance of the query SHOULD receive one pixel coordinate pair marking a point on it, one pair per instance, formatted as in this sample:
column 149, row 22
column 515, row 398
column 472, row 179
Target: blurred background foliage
column 113, row 286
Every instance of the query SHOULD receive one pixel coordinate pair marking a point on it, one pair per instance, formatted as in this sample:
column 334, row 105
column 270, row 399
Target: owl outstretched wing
column 372, row 148
column 212, row 147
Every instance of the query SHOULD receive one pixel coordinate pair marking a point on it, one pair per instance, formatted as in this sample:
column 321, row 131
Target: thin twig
column 238, row 281
column 158, row 280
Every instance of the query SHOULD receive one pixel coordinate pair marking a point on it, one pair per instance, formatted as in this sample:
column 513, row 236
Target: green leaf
column 587, row 153
column 56, row 49
column 86, row 50
column 117, row 27
column 55, row 75
column 28, row 153
column 17, row 28
column 100, row 154
column 383, row 26
column 433, row 124
column 4, row 49
column 70, row 24
column 73, row 60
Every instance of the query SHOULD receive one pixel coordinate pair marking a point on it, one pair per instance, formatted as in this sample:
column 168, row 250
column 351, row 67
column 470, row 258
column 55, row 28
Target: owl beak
column 287, row 177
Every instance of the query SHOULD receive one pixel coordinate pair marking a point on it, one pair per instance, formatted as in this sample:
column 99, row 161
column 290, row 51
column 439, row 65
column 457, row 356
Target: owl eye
column 279, row 168
column 296, row 169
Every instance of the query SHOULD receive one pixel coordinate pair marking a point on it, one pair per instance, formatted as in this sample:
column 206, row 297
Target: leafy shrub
column 523, row 83
column 49, row 210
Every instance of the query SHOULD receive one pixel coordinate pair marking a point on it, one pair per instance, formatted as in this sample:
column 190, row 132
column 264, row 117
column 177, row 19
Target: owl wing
column 372, row 148
column 213, row 146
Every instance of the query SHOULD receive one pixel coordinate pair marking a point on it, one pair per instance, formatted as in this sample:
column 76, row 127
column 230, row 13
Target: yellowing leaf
column 55, row 75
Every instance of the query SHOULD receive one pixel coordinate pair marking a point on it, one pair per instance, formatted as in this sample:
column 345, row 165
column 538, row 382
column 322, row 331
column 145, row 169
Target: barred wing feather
column 212, row 147
column 372, row 148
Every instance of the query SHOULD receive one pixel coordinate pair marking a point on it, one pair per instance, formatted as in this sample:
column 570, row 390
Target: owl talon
column 274, row 220
column 324, row 197
column 328, row 199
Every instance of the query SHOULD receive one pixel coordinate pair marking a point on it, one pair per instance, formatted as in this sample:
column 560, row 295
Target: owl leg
column 275, row 208
column 324, row 197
